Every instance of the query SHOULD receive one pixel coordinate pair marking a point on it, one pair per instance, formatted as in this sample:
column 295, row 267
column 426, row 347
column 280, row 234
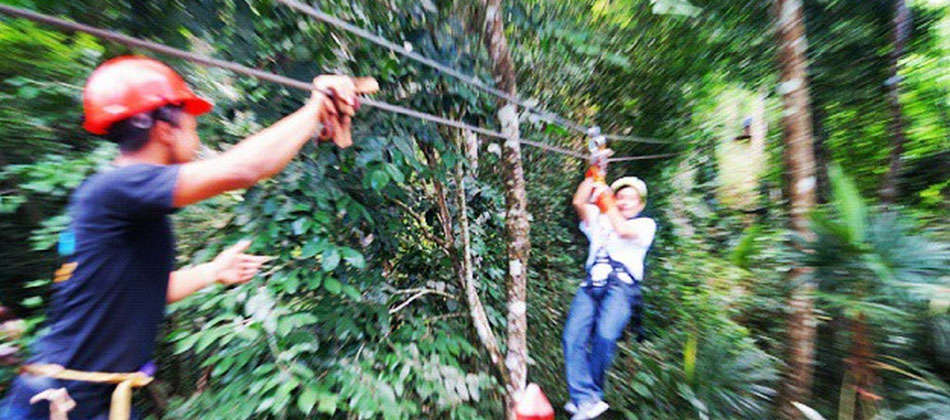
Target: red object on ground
column 533, row 405
column 129, row 85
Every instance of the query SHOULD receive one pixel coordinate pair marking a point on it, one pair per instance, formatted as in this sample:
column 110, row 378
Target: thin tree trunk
column 859, row 368
column 462, row 260
column 800, row 173
column 901, row 22
column 466, row 275
column 445, row 218
column 862, row 348
column 471, row 143
column 516, row 222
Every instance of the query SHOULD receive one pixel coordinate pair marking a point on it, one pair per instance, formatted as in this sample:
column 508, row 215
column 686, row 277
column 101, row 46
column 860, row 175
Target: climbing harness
column 603, row 267
column 60, row 403
column 121, row 405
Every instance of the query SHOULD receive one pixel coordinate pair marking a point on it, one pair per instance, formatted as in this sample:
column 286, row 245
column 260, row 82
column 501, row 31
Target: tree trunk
column 466, row 275
column 800, row 174
column 462, row 253
column 860, row 371
column 516, row 221
column 445, row 218
column 901, row 22
column 471, row 143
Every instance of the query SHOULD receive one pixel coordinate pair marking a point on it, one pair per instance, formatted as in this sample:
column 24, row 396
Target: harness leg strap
column 121, row 406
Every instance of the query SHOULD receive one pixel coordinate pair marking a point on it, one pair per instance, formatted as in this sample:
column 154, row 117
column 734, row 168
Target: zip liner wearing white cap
column 609, row 296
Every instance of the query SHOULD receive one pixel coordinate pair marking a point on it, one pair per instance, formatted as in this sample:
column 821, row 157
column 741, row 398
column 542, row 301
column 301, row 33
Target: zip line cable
column 237, row 68
column 263, row 75
column 470, row 80
column 637, row 139
column 396, row 48
column 642, row 157
column 282, row 80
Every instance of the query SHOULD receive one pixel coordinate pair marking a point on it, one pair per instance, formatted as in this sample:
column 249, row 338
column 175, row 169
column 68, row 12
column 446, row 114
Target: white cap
column 634, row 182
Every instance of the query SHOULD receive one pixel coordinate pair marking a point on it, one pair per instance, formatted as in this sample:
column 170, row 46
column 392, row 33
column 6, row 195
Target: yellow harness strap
column 64, row 272
column 121, row 406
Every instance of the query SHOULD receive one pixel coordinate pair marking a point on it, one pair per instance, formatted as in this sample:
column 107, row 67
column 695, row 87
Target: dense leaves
column 362, row 313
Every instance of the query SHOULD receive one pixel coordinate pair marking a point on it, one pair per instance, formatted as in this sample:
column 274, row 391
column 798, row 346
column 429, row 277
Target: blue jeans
column 596, row 321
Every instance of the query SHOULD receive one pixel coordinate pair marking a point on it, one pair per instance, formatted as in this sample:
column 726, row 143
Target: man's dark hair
column 132, row 133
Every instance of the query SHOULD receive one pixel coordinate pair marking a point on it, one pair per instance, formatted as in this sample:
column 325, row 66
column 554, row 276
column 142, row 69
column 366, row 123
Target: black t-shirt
column 105, row 316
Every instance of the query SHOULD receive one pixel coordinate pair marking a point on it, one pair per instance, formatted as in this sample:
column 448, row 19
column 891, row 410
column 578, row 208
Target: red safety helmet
column 129, row 85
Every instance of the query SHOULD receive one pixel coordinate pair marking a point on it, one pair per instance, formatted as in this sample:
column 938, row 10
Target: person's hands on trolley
column 337, row 101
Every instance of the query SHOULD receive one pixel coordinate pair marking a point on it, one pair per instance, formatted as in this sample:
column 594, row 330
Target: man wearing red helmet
column 110, row 296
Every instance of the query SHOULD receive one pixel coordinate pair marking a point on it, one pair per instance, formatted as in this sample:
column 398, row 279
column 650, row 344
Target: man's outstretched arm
column 267, row 152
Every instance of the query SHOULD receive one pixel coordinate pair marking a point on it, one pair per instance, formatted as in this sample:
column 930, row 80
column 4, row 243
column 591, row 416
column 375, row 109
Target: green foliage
column 871, row 266
column 746, row 247
column 43, row 152
column 849, row 205
column 361, row 314
column 868, row 261
column 927, row 396
column 55, row 176
column 685, row 370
